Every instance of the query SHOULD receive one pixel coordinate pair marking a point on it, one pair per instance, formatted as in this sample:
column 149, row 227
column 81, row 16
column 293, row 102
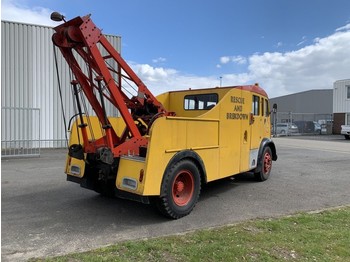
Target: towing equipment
column 161, row 149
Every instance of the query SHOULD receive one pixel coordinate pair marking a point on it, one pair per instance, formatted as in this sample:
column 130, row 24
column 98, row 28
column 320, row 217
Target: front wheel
column 266, row 165
column 180, row 189
column 347, row 137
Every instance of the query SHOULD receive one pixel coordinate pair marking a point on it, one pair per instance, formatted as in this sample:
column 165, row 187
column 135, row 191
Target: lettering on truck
column 238, row 101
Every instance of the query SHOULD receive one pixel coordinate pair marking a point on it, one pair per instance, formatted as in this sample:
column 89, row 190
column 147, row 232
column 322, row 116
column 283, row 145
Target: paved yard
column 43, row 215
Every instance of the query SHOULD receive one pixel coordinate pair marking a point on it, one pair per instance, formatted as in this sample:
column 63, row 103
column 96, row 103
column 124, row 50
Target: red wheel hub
column 183, row 188
column 180, row 186
column 267, row 163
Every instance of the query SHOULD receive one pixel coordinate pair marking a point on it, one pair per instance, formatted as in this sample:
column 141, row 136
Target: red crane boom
column 80, row 37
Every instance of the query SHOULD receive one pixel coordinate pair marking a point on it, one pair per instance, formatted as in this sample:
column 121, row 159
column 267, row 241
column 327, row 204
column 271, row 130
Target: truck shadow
column 84, row 217
column 221, row 186
column 127, row 212
column 71, row 209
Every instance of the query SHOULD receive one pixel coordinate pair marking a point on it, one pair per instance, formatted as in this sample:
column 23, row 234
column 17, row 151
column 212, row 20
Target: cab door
column 257, row 122
column 246, row 130
column 266, row 118
column 257, row 126
column 254, row 130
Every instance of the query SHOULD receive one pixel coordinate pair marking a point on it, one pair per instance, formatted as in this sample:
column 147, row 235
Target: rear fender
column 191, row 155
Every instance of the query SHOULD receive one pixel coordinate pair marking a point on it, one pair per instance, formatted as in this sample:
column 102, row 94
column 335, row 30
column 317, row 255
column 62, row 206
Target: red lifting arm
column 81, row 37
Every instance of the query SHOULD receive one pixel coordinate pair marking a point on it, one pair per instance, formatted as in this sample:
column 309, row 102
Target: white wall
column 29, row 80
column 341, row 104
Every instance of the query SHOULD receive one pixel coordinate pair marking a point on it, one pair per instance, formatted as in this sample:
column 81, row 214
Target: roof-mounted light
column 56, row 16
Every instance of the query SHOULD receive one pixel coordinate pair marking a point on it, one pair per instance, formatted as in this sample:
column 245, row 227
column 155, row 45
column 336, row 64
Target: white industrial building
column 31, row 110
column 341, row 104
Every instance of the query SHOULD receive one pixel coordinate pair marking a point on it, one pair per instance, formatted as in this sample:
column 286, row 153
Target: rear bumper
column 87, row 183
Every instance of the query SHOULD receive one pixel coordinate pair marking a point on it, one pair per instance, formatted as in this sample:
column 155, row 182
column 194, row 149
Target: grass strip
column 321, row 236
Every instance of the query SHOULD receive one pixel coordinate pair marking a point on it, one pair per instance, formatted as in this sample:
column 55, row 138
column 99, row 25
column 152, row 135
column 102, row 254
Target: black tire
column 265, row 165
column 180, row 190
column 347, row 137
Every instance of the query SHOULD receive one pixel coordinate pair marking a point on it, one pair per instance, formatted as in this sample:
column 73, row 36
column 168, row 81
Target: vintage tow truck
column 161, row 149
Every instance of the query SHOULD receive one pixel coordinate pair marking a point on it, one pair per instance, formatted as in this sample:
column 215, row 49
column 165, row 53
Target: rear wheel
column 180, row 189
column 266, row 165
column 347, row 137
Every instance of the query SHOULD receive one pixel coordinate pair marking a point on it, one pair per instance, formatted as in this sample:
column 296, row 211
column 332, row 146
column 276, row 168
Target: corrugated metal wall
column 29, row 80
column 300, row 102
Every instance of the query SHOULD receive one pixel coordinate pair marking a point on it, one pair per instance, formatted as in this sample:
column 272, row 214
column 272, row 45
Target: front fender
column 264, row 143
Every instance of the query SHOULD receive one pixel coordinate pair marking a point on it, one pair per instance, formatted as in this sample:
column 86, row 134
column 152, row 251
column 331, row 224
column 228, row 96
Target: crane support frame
column 81, row 37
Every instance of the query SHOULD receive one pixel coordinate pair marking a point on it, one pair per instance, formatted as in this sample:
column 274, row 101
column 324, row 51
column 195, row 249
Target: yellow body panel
column 75, row 138
column 222, row 136
column 170, row 135
column 225, row 137
column 75, row 167
column 129, row 170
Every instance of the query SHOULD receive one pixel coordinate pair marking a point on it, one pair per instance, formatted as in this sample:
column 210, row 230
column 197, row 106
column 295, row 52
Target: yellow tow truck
column 161, row 149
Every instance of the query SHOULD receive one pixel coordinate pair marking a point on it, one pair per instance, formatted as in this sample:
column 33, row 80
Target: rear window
column 200, row 102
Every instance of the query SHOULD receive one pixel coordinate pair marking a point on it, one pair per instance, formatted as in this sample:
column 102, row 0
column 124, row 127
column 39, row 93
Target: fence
column 20, row 129
column 20, row 132
column 289, row 123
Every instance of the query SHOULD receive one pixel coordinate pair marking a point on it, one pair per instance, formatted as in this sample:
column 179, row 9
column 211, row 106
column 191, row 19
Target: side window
column 200, row 102
column 267, row 109
column 262, row 107
column 255, row 105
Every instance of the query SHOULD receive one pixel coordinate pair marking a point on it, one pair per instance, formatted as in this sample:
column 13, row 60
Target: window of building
column 348, row 92
column 200, row 102
column 255, row 105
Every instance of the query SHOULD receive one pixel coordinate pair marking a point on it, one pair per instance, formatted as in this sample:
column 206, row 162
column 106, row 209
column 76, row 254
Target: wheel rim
column 183, row 188
column 267, row 162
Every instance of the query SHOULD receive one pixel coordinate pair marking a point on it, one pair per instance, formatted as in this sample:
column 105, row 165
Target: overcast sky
column 285, row 46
